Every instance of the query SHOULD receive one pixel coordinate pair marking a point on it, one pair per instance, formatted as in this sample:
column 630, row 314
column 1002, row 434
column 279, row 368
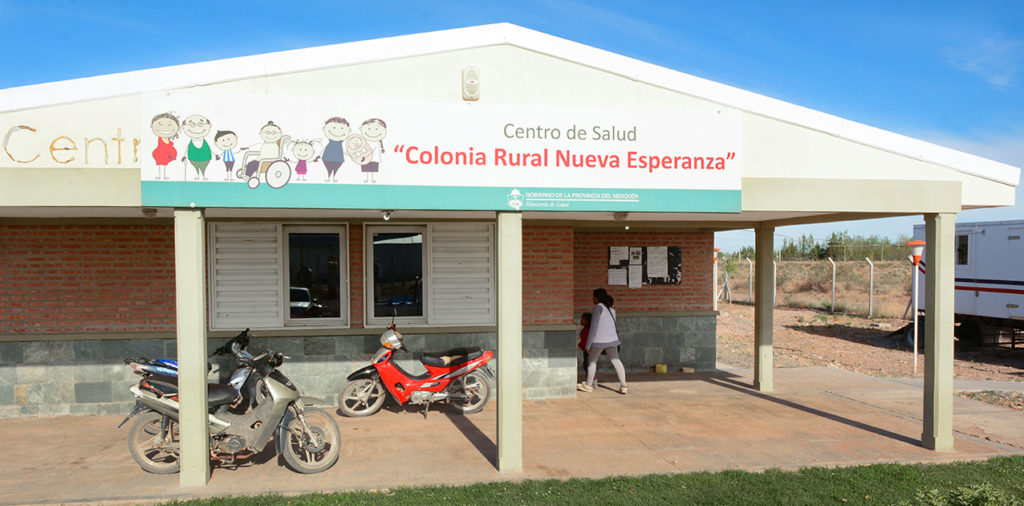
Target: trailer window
column 962, row 249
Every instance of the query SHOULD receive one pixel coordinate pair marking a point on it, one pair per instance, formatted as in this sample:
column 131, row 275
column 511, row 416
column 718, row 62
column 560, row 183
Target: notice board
column 635, row 266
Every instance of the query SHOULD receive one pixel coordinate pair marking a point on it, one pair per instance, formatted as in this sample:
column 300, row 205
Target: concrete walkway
column 671, row 423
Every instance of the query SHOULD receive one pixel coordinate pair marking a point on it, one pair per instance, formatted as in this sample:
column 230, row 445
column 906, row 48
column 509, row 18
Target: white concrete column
column 510, row 342
column 938, row 332
column 764, row 286
column 190, row 287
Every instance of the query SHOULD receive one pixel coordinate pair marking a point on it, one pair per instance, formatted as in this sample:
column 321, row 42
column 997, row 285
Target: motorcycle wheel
column 476, row 387
column 144, row 446
column 314, row 451
column 361, row 397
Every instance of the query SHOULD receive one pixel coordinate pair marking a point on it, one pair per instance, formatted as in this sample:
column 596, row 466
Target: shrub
column 982, row 494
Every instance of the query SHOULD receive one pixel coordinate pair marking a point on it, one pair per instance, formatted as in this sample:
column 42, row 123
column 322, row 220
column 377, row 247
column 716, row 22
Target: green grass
column 996, row 481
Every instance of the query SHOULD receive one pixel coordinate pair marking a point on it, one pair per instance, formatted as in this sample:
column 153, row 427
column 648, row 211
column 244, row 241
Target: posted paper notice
column 616, row 277
column 617, row 254
column 636, row 276
column 657, row 261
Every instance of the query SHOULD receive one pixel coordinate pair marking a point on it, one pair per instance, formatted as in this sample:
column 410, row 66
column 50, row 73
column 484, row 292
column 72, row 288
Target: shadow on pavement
column 474, row 435
column 747, row 389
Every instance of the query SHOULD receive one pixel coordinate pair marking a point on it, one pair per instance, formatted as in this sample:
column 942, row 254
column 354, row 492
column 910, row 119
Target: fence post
column 871, row 285
column 775, row 277
column 833, row 284
column 728, row 290
column 750, row 285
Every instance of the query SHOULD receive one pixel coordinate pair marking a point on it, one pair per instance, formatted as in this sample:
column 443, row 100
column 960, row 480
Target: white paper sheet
column 657, row 261
column 616, row 277
column 636, row 276
column 616, row 254
column 636, row 255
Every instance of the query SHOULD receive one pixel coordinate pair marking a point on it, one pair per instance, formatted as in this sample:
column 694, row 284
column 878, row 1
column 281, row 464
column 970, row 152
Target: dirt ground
column 811, row 337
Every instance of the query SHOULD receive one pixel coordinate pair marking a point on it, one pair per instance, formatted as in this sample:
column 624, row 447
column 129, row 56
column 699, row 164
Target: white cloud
column 997, row 59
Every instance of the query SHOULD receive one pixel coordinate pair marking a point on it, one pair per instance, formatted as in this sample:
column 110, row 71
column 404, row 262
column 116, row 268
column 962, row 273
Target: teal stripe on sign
column 452, row 198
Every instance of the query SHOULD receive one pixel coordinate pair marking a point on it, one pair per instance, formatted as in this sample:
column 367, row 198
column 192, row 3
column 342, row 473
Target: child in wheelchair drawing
column 270, row 163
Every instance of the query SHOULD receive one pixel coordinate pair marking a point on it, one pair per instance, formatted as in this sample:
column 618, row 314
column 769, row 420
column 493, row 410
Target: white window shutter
column 462, row 280
column 245, row 276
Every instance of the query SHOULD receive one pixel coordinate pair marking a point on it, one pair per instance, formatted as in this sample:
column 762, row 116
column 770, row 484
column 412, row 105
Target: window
column 398, row 266
column 270, row 275
column 315, row 289
column 962, row 247
column 437, row 274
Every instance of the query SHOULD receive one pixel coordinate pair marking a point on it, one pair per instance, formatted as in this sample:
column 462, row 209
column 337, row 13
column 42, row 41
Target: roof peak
column 402, row 46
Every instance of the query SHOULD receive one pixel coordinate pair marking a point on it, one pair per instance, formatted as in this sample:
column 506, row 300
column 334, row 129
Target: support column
column 190, row 287
column 764, row 286
column 938, row 332
column 510, row 342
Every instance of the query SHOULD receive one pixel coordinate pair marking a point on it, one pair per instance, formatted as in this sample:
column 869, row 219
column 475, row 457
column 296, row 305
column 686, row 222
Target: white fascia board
column 298, row 60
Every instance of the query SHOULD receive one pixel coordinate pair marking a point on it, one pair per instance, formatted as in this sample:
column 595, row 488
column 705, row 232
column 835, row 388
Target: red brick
column 86, row 278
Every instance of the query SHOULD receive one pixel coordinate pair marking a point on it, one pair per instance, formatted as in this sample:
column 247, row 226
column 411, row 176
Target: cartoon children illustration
column 336, row 129
column 226, row 141
column 165, row 126
column 303, row 151
column 199, row 153
column 373, row 131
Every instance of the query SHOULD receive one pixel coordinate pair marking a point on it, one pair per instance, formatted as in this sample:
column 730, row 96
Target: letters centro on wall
column 305, row 152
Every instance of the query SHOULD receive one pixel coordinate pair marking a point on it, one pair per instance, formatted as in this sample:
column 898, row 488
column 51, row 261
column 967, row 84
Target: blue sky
column 946, row 72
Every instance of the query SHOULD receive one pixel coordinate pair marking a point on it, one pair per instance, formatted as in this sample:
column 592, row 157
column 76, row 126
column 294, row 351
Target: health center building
column 475, row 184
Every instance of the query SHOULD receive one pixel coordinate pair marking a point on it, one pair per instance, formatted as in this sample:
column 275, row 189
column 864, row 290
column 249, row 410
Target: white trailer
column 989, row 263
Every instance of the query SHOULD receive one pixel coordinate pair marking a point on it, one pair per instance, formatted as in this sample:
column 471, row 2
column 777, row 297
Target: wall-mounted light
column 627, row 227
column 386, row 214
column 470, row 84
column 619, row 216
column 149, row 212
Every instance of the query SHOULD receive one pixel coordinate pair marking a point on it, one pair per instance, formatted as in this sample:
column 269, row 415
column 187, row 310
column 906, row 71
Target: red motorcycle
column 459, row 376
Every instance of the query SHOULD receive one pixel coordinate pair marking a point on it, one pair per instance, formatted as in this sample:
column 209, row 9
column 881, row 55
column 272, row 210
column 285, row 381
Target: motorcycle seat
column 452, row 357
column 167, row 386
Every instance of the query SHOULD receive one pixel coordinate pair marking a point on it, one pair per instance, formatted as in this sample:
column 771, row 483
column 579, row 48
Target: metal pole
column 750, row 294
column 914, row 315
column 871, row 285
column 833, row 284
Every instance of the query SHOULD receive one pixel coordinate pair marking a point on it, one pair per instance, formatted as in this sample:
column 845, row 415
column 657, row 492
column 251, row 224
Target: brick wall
column 547, row 273
column 693, row 293
column 110, row 278
column 86, row 278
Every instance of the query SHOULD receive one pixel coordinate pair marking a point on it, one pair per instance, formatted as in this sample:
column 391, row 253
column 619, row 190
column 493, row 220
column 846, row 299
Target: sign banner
column 270, row 151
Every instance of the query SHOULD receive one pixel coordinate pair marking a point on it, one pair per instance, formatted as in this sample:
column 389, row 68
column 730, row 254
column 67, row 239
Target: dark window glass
column 314, row 277
column 961, row 249
column 397, row 274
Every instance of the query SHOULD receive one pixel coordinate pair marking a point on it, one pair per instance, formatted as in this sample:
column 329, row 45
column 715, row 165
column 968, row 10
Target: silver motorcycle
column 242, row 420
